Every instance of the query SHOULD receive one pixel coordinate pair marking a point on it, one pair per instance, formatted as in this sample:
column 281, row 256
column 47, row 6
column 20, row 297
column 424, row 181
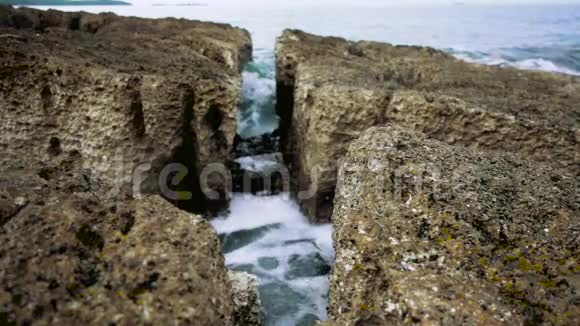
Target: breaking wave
column 565, row 60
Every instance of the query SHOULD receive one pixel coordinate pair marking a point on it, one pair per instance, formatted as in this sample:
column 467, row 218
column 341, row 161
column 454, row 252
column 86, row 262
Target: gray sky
column 353, row 2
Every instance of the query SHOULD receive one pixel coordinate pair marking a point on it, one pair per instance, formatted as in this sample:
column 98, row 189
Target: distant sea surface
column 539, row 37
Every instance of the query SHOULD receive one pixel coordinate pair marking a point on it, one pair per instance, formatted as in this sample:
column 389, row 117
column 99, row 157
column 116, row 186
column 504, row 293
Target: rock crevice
column 94, row 109
column 334, row 89
column 426, row 232
column 455, row 184
column 111, row 88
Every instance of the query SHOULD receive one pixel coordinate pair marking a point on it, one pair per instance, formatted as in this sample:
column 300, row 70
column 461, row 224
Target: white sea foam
column 260, row 162
column 293, row 237
column 256, row 87
column 543, row 65
column 525, row 64
column 257, row 116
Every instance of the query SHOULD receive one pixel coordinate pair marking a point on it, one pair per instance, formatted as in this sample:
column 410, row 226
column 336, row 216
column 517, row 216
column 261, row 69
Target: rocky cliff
column 432, row 234
column 330, row 90
column 70, row 255
column 126, row 95
column 93, row 108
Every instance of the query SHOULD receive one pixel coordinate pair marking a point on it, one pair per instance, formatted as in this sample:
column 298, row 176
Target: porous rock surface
column 92, row 107
column 72, row 255
column 330, row 90
column 246, row 299
column 122, row 93
column 432, row 234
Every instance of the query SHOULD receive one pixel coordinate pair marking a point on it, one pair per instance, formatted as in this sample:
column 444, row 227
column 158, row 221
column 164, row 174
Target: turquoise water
column 257, row 115
column 268, row 236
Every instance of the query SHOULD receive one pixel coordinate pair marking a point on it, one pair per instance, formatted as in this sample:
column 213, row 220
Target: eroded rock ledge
column 71, row 255
column 433, row 234
column 93, row 107
column 119, row 92
column 330, row 90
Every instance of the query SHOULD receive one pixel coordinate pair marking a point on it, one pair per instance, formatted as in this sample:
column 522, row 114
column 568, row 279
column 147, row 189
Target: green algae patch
column 4, row 220
column 128, row 225
column 90, row 238
column 148, row 285
column 5, row 319
column 17, row 300
column 38, row 312
column 548, row 283
column 74, row 289
column 11, row 71
column 524, row 265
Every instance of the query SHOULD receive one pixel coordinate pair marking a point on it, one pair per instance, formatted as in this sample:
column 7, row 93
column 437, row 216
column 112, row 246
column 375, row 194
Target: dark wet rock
column 268, row 263
column 239, row 239
column 258, row 178
column 265, row 144
column 310, row 265
column 429, row 233
column 330, row 90
column 264, row 174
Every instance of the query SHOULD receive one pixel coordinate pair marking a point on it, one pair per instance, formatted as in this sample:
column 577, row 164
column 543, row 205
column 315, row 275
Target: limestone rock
column 93, row 107
column 330, row 90
column 433, row 234
column 246, row 299
column 455, row 121
column 127, row 95
column 71, row 256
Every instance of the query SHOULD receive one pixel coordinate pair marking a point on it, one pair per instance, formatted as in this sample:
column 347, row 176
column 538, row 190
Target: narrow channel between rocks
column 264, row 232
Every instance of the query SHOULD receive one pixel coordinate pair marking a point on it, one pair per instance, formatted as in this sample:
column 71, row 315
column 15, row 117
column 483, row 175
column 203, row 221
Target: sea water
column 267, row 235
column 257, row 116
column 541, row 36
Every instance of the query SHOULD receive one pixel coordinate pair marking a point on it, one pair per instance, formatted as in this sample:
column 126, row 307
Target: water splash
column 269, row 237
column 561, row 59
column 257, row 116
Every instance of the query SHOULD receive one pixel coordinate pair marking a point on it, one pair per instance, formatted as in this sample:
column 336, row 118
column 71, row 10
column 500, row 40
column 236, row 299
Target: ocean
column 545, row 37
column 267, row 235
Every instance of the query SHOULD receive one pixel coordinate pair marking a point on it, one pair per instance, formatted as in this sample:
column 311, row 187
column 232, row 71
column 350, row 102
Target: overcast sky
column 354, row 2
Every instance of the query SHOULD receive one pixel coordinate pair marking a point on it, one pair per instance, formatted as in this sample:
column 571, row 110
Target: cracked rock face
column 331, row 90
column 93, row 107
column 127, row 95
column 435, row 234
column 71, row 255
